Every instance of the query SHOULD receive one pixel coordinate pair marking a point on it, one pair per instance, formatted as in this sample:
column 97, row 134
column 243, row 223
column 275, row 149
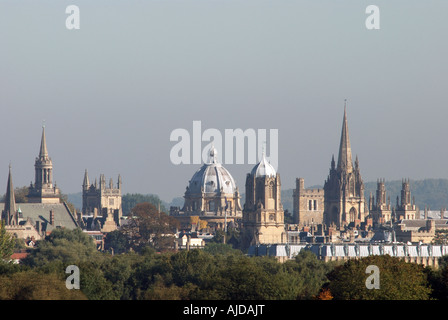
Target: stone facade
column 308, row 204
column 380, row 210
column 263, row 216
column 415, row 231
column 405, row 208
column 103, row 202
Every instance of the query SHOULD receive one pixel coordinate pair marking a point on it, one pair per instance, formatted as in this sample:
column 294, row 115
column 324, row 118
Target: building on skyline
column 344, row 187
column 101, row 204
column 212, row 195
column 379, row 207
column 43, row 190
column 308, row 204
column 263, row 215
column 44, row 210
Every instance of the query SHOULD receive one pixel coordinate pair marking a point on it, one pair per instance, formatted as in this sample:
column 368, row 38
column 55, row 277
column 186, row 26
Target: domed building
column 212, row 195
column 263, row 216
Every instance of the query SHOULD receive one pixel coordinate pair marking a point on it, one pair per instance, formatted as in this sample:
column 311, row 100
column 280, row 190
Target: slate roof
column 41, row 212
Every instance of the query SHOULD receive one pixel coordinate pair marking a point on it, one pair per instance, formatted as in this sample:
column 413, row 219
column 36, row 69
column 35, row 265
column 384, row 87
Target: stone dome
column 211, row 177
column 263, row 169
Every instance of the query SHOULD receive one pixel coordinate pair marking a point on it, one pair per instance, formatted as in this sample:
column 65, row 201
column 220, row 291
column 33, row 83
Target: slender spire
column 10, row 201
column 86, row 182
column 345, row 162
column 43, row 144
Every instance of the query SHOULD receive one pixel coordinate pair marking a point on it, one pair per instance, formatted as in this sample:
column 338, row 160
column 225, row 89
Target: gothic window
column 271, row 190
column 111, row 202
column 211, row 206
column 352, row 214
column 310, row 205
column 315, row 204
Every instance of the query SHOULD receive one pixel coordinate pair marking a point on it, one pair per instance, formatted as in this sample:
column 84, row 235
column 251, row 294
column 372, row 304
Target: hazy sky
column 112, row 92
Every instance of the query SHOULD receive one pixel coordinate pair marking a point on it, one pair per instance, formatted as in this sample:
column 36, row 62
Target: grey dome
column 211, row 177
column 263, row 169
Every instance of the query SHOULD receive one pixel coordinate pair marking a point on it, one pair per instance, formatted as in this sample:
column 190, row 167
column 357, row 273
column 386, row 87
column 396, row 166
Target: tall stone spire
column 43, row 190
column 86, row 182
column 43, row 145
column 345, row 162
column 10, row 202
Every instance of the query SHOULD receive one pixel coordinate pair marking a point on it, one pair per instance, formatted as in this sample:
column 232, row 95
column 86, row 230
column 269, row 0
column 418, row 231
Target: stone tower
column 406, row 208
column 263, row 216
column 43, row 190
column 308, row 204
column 103, row 200
column 380, row 208
column 344, row 188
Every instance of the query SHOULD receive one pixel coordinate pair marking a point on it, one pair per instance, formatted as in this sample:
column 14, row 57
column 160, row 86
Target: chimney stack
column 51, row 217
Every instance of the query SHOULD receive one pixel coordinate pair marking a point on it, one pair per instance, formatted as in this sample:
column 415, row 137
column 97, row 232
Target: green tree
column 307, row 274
column 130, row 200
column 7, row 242
column 399, row 280
column 33, row 285
column 63, row 246
column 116, row 242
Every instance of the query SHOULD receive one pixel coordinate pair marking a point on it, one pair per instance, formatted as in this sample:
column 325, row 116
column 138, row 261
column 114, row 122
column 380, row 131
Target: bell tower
column 263, row 216
column 43, row 190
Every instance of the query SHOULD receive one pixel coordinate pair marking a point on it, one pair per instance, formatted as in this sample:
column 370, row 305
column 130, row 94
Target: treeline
column 139, row 263
column 216, row 272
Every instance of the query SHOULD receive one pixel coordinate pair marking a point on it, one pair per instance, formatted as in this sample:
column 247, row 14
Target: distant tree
column 130, row 200
column 398, row 280
column 150, row 227
column 116, row 241
column 307, row 273
column 64, row 246
column 21, row 194
column 33, row 285
column 7, row 242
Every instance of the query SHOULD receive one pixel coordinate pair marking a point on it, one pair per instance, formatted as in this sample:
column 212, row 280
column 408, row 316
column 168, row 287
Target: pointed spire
column 10, row 201
column 86, row 182
column 43, row 144
column 345, row 162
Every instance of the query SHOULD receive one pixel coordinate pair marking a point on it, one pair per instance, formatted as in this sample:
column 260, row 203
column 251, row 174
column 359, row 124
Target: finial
column 43, row 123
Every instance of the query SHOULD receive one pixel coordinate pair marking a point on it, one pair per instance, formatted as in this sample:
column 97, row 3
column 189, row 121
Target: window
column 111, row 202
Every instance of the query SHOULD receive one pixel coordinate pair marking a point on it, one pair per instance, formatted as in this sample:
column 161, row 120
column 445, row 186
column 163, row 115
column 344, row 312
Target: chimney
column 51, row 217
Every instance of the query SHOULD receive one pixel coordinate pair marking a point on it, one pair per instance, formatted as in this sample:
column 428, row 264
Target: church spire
column 10, row 202
column 43, row 145
column 86, row 182
column 345, row 152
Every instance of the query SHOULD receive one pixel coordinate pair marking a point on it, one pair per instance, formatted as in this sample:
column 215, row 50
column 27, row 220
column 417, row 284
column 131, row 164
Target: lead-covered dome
column 211, row 177
column 263, row 169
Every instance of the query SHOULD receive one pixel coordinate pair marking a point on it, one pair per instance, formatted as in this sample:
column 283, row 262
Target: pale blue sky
column 112, row 92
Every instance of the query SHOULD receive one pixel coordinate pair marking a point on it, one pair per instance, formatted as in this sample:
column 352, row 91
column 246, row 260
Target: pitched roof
column 41, row 212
